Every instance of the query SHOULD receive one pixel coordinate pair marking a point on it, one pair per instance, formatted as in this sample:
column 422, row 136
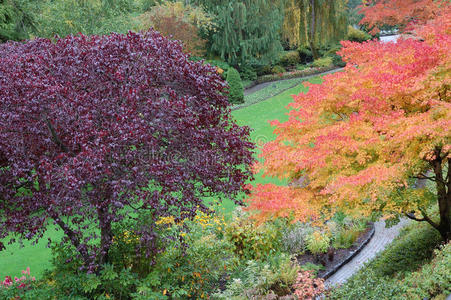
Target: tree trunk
column 313, row 30
column 444, row 198
column 106, row 235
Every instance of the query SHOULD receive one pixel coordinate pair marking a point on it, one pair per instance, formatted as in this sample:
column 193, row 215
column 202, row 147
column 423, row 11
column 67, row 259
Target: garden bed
column 340, row 256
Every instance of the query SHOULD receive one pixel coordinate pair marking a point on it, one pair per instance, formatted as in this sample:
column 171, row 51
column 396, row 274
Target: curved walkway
column 265, row 84
column 382, row 237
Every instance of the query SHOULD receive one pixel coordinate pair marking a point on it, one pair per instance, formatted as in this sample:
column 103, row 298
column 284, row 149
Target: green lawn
column 256, row 116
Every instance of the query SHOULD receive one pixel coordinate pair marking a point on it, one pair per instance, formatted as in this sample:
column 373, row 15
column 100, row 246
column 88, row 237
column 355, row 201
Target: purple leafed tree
column 94, row 128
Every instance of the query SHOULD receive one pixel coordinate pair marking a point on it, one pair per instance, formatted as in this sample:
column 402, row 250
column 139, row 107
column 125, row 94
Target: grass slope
column 256, row 116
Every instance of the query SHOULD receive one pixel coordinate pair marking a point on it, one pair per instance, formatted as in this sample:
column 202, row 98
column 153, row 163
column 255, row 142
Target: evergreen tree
column 247, row 30
column 236, row 91
column 15, row 22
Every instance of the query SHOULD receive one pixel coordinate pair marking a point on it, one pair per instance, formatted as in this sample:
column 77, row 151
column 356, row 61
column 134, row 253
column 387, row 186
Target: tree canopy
column 357, row 142
column 97, row 129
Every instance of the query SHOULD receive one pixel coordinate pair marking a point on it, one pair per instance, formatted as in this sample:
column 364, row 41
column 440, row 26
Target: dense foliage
column 236, row 91
column 182, row 22
column 403, row 272
column 97, row 129
column 358, row 141
column 66, row 17
column 246, row 30
column 400, row 13
column 15, row 20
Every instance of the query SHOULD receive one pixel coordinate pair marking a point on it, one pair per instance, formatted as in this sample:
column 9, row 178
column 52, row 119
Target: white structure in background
column 389, row 38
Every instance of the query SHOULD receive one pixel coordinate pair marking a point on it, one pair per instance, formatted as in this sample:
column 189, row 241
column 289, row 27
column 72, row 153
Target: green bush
column 434, row 278
column 278, row 70
column 276, row 276
column 318, row 242
column 323, row 62
column 248, row 73
column 431, row 281
column 252, row 241
column 305, row 54
column 289, row 58
column 221, row 65
column 414, row 246
column 337, row 60
column 294, row 239
column 236, row 90
column 356, row 35
column 404, row 270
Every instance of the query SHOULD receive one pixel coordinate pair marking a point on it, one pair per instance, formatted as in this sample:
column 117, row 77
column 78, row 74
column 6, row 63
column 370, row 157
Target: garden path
column 382, row 237
column 260, row 86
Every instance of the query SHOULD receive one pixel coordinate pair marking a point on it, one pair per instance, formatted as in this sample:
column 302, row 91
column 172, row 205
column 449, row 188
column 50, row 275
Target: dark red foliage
column 92, row 126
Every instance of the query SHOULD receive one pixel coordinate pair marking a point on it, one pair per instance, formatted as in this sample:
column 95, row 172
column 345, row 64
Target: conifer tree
column 14, row 20
column 246, row 30
column 236, row 91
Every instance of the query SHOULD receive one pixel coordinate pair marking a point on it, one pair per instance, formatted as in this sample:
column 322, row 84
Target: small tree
column 236, row 91
column 95, row 129
column 182, row 22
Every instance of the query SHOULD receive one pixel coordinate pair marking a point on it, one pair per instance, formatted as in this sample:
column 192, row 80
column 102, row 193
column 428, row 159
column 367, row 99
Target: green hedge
column 294, row 74
column 289, row 58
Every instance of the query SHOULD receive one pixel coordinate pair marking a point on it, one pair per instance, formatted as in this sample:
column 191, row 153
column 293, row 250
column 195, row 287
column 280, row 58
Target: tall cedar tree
column 358, row 142
column 94, row 129
column 247, row 30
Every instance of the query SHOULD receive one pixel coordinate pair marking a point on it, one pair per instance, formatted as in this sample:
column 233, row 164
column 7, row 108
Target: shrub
column 253, row 241
column 274, row 277
column 345, row 238
column 95, row 142
column 433, row 279
column 264, row 70
column 323, row 62
column 236, row 90
column 414, row 246
column 180, row 21
column 294, row 239
column 404, row 269
column 194, row 273
column 278, row 70
column 318, row 242
column 305, row 54
column 289, row 58
column 307, row 287
column 220, row 65
column 356, row 35
column 248, row 73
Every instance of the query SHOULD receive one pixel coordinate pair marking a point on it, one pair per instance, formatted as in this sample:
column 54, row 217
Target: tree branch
column 55, row 136
column 425, row 218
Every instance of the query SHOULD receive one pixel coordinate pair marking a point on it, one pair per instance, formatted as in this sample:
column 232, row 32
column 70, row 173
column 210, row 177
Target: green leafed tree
column 323, row 22
column 247, row 30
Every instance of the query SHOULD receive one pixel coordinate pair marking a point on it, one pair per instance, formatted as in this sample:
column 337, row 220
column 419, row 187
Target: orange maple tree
column 359, row 141
column 401, row 13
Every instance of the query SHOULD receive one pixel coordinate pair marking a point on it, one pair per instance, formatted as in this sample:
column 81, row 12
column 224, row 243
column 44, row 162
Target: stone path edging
column 352, row 254
column 382, row 237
